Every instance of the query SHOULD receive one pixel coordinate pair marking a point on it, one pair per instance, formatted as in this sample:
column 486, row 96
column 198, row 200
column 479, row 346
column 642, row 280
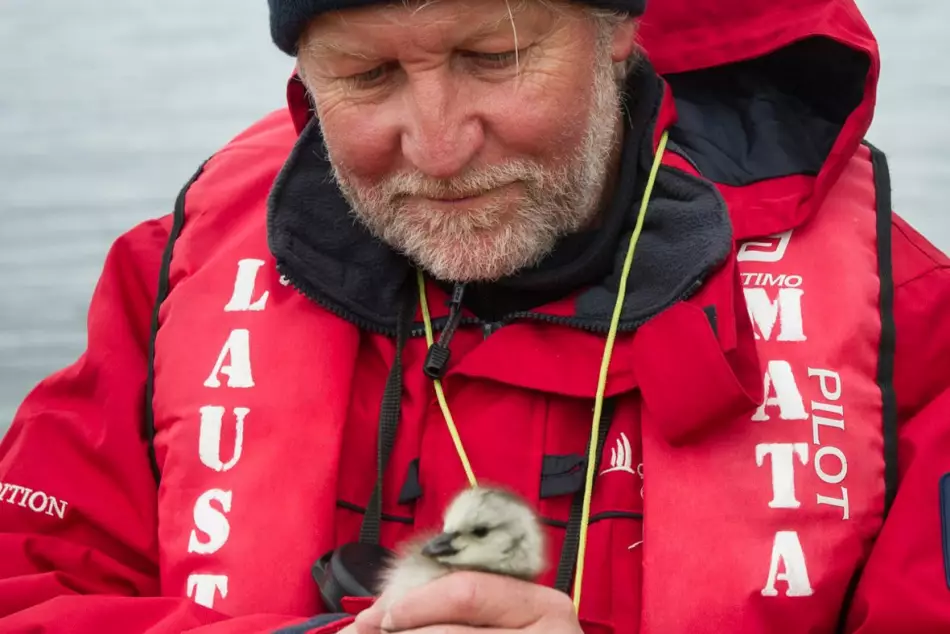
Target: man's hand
column 466, row 602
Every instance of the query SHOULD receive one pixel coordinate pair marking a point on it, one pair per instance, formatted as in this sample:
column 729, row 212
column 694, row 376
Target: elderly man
column 639, row 268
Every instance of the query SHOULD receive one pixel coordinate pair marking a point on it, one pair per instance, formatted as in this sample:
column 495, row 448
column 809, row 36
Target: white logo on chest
column 620, row 458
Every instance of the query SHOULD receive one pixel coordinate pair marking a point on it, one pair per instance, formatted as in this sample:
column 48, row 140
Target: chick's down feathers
column 484, row 529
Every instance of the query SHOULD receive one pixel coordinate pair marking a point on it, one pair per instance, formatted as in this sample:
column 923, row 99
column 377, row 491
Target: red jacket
column 775, row 376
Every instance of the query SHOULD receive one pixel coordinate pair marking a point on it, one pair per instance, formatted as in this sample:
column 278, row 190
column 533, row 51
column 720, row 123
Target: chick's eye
column 480, row 531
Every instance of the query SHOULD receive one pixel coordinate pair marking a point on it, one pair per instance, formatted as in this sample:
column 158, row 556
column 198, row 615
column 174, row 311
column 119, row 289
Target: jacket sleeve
column 904, row 586
column 77, row 496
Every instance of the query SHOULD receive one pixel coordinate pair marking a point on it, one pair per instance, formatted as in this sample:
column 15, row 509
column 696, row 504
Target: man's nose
column 441, row 134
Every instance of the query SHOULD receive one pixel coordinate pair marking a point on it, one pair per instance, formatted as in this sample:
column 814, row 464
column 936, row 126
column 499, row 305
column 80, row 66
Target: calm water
column 106, row 110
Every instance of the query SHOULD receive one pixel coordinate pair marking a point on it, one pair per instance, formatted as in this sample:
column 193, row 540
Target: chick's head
column 492, row 530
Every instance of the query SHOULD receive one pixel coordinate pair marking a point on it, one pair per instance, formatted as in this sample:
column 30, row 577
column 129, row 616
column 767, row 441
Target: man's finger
column 371, row 618
column 477, row 600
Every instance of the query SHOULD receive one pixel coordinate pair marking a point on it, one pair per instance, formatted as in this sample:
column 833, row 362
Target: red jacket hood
column 685, row 35
column 821, row 53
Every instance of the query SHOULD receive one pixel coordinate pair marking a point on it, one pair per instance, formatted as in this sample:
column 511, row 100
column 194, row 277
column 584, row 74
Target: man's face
column 468, row 134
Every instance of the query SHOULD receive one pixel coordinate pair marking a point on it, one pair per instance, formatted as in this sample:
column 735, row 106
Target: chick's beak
column 440, row 545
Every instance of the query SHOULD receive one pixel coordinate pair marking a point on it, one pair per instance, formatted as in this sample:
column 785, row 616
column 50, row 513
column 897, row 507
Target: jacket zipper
column 488, row 328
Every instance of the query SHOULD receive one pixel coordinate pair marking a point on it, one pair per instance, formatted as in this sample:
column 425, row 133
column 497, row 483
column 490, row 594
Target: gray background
column 108, row 106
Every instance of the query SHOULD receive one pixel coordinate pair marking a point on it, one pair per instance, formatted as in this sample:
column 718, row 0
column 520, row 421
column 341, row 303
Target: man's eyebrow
column 318, row 47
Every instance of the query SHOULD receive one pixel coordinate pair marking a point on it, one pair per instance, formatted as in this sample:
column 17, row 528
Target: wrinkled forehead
column 408, row 11
column 350, row 29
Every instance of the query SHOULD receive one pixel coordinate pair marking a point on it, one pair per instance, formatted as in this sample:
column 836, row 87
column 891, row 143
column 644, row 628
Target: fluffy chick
column 484, row 529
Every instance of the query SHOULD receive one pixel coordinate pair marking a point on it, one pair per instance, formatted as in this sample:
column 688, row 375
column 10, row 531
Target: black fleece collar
column 330, row 257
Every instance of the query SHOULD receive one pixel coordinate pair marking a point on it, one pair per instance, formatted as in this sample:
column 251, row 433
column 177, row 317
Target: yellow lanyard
column 601, row 382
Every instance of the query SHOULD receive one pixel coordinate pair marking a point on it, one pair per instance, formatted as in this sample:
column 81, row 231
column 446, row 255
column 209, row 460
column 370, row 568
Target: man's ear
column 624, row 40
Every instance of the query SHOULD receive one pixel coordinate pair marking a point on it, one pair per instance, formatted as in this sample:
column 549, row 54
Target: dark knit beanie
column 289, row 18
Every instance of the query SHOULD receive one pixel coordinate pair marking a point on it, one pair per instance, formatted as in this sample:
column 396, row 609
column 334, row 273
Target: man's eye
column 494, row 60
column 370, row 77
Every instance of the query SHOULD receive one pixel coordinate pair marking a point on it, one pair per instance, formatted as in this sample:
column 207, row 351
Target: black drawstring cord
column 437, row 359
column 572, row 538
column 388, row 421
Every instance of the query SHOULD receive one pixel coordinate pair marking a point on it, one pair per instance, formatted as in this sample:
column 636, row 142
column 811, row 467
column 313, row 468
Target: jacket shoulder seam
column 938, row 267
column 937, row 264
